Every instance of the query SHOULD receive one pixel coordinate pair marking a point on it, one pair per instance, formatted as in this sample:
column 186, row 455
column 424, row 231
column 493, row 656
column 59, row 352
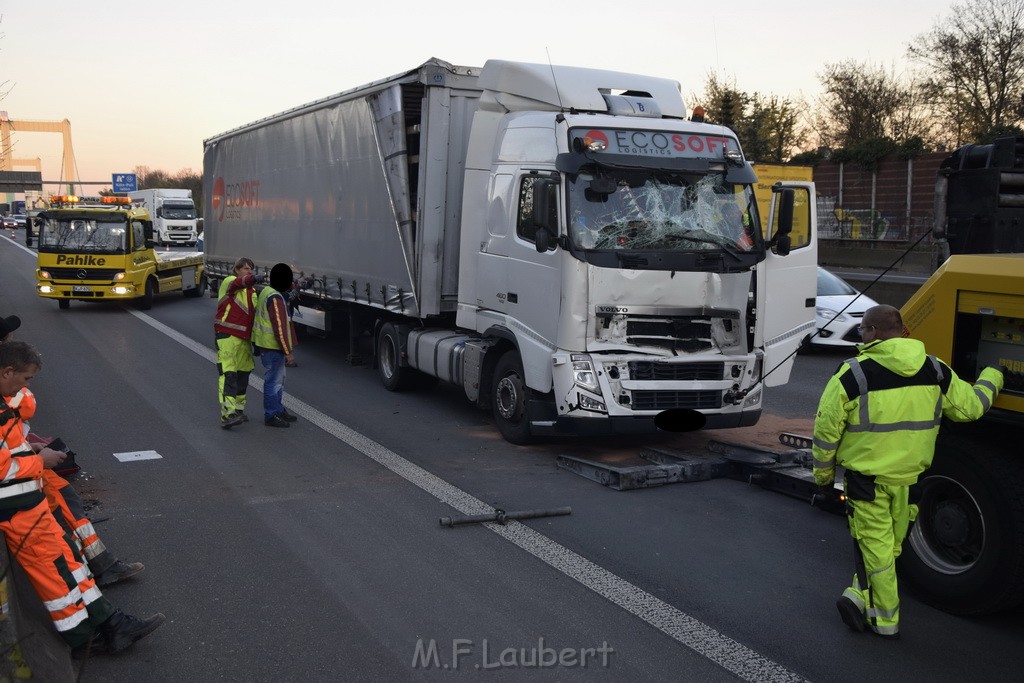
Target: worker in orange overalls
column 63, row 499
column 83, row 617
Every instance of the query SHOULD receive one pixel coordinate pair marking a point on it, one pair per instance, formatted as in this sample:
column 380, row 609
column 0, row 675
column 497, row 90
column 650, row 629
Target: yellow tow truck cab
column 102, row 249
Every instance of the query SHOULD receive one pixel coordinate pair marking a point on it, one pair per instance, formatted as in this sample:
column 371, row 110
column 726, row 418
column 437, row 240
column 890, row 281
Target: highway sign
column 125, row 182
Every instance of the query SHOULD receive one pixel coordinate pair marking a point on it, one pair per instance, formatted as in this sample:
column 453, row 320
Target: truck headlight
column 121, row 289
column 45, row 275
column 583, row 373
column 119, row 276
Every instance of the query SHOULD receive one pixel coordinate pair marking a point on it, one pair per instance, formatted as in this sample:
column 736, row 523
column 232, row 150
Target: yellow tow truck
column 965, row 553
column 102, row 249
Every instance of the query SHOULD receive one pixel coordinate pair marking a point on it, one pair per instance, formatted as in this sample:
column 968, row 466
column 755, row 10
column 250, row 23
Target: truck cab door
column 786, row 302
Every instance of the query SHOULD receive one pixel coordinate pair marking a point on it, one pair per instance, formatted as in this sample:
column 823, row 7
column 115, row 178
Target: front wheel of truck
column 146, row 301
column 510, row 400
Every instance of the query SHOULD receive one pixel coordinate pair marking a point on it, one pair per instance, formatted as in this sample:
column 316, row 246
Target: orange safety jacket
column 236, row 310
column 21, row 469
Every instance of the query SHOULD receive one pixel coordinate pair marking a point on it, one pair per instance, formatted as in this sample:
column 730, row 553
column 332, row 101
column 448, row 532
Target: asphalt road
column 315, row 554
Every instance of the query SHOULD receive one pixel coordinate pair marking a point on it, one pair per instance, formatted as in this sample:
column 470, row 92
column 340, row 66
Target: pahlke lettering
column 80, row 260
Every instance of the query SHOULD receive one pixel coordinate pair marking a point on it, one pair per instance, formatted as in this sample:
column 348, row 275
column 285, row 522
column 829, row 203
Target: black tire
column 63, row 304
column 146, row 301
column 393, row 375
column 510, row 399
column 199, row 289
column 965, row 553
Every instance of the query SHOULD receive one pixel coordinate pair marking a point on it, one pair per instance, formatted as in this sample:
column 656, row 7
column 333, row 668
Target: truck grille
column 676, row 372
column 665, row 400
column 679, row 334
column 83, row 273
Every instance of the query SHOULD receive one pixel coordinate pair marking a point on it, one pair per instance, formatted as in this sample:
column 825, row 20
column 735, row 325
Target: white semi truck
column 173, row 214
column 562, row 243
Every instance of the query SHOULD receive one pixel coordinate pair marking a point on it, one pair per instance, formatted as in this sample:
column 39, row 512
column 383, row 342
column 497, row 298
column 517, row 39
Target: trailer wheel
column 146, row 301
column 510, row 399
column 393, row 375
column 63, row 304
column 965, row 553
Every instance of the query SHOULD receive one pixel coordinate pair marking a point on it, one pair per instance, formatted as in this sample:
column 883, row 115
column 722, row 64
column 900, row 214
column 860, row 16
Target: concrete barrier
column 28, row 624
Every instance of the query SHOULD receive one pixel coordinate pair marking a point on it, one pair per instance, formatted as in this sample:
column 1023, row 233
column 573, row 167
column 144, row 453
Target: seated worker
column 63, row 499
column 82, row 616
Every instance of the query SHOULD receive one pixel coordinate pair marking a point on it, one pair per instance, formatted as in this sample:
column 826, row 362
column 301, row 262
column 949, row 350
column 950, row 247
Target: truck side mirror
column 543, row 239
column 544, row 221
column 784, row 225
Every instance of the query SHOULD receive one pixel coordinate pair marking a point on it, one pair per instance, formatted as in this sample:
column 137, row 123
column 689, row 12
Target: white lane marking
column 694, row 634
column 132, row 456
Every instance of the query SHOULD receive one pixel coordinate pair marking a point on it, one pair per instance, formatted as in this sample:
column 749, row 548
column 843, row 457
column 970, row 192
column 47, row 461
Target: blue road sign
column 125, row 182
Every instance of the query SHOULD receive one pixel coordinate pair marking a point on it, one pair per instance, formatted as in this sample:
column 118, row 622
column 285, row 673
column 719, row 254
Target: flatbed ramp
column 785, row 471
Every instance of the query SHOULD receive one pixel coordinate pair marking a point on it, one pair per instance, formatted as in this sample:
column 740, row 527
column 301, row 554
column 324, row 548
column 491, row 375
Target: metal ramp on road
column 788, row 471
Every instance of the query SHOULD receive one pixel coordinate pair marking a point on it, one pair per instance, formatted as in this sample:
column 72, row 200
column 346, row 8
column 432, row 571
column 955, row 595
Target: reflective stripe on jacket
column 880, row 413
column 236, row 307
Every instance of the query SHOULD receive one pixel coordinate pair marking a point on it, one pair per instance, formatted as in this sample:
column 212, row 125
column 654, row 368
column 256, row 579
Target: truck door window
column 526, row 227
column 138, row 236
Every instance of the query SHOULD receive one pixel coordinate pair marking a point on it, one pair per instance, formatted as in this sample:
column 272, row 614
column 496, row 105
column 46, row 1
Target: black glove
column 259, row 279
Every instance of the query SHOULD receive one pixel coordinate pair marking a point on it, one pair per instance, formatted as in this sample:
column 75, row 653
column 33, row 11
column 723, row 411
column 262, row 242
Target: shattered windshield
column 647, row 210
column 83, row 235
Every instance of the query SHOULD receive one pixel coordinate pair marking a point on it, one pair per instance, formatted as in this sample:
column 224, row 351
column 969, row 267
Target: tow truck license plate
column 81, row 288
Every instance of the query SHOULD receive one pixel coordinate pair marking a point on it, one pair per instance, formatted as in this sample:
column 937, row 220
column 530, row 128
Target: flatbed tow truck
column 102, row 249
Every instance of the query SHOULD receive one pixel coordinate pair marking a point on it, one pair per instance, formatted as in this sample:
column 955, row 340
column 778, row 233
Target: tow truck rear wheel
column 510, row 400
column 965, row 552
column 63, row 304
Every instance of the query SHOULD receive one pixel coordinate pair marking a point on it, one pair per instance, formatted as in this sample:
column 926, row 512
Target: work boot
column 850, row 615
column 96, row 645
column 286, row 415
column 121, row 630
column 119, row 571
column 277, row 421
column 229, row 421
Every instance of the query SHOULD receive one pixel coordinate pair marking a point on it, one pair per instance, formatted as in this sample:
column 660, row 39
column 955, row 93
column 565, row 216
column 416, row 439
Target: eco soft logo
column 219, row 200
column 235, row 201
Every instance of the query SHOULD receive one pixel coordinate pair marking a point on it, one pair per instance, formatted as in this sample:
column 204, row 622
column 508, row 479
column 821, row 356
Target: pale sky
column 144, row 83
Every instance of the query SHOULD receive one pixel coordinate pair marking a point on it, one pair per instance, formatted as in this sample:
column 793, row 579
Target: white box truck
column 562, row 243
column 173, row 214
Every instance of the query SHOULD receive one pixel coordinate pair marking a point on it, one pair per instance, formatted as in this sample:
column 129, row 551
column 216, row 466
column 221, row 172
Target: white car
column 835, row 295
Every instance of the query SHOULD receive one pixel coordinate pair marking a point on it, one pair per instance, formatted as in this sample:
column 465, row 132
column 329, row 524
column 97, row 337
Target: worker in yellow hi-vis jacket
column 878, row 418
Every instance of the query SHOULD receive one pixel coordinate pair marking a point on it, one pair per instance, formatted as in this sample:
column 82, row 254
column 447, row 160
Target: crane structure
column 9, row 125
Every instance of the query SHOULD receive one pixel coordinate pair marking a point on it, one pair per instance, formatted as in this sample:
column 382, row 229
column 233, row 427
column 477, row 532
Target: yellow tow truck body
column 965, row 552
column 102, row 249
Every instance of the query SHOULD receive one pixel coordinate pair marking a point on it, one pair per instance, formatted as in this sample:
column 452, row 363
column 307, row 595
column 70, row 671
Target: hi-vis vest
column 235, row 313
column 262, row 330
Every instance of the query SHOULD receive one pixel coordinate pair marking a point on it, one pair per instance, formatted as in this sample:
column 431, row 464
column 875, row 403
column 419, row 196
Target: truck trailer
column 562, row 243
column 173, row 214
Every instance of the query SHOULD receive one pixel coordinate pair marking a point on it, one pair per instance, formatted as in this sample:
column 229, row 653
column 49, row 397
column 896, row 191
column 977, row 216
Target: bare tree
column 974, row 61
column 766, row 125
column 862, row 102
